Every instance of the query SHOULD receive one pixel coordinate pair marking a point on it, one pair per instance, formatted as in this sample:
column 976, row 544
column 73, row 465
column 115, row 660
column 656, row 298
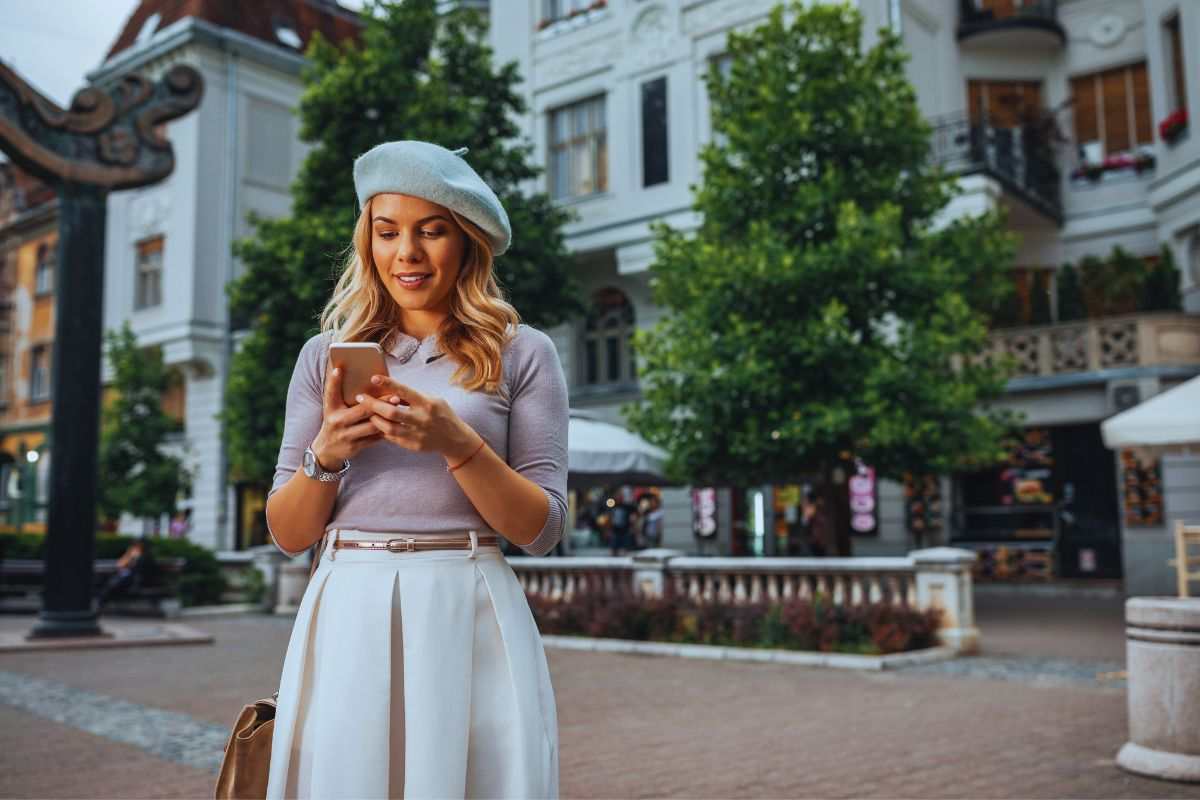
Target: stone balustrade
column 1128, row 340
column 936, row 577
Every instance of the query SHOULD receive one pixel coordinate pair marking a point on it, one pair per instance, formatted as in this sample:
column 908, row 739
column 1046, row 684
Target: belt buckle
column 408, row 545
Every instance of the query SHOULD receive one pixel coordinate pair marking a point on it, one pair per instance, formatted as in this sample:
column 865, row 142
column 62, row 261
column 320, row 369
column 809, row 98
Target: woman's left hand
column 426, row 424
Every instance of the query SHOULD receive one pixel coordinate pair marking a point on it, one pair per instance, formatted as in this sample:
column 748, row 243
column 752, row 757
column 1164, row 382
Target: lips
column 412, row 283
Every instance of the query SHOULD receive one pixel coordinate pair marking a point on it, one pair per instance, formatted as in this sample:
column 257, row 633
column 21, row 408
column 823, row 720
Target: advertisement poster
column 704, row 512
column 863, row 513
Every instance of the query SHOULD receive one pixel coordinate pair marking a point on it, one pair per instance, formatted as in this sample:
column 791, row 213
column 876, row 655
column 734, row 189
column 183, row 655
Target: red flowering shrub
column 793, row 624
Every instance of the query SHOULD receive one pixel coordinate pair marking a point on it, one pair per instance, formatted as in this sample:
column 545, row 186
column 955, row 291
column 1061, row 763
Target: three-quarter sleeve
column 302, row 417
column 537, row 430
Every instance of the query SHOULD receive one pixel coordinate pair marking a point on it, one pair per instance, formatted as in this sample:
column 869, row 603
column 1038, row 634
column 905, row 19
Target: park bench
column 21, row 586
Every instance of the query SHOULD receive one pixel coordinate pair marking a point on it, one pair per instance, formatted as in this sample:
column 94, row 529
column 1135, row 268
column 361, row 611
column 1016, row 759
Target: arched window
column 607, row 343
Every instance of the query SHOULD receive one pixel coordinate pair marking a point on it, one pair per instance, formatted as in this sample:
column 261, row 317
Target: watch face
column 310, row 464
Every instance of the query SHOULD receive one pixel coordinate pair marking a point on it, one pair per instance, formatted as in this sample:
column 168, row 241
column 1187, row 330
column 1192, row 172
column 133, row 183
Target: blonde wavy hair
column 475, row 331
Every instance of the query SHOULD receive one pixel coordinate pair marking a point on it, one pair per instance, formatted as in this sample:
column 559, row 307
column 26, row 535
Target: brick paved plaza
column 1027, row 718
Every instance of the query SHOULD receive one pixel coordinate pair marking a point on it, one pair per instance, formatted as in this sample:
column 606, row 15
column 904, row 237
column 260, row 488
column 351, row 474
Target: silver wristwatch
column 313, row 469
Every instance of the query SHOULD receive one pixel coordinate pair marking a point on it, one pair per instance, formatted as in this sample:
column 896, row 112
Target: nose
column 408, row 248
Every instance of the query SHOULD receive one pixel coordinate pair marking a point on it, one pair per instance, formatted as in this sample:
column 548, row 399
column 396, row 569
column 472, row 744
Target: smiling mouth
column 416, row 281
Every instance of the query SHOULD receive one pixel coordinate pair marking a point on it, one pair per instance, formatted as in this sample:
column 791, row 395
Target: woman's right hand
column 345, row 430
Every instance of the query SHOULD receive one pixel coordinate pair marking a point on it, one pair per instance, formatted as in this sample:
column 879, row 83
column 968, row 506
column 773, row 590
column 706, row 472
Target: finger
column 362, row 430
column 405, row 393
column 383, row 408
column 333, row 389
column 393, row 430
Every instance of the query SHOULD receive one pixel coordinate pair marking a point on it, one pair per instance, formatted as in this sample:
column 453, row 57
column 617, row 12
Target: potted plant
column 1173, row 125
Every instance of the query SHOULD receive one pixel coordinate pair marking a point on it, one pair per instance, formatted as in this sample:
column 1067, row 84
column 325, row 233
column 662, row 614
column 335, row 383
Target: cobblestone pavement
column 1001, row 725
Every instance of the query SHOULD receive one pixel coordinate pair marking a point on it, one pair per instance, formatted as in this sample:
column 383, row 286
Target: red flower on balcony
column 1174, row 124
column 1138, row 162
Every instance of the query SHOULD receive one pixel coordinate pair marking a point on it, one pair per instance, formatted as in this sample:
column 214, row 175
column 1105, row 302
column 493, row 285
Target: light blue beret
column 442, row 176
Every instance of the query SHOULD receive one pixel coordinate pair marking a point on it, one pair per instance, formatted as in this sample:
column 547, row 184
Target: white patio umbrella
column 600, row 453
column 1167, row 419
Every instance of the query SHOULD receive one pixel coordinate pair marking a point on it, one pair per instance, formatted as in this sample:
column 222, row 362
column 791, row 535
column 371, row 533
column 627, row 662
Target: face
column 413, row 235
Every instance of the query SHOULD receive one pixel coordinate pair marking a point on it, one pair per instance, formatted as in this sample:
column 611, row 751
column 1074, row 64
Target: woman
column 415, row 669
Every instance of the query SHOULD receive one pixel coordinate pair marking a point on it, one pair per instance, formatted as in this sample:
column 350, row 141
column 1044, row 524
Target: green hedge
column 200, row 583
column 796, row 624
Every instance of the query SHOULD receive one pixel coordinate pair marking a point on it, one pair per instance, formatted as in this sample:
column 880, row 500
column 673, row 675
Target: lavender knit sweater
column 391, row 488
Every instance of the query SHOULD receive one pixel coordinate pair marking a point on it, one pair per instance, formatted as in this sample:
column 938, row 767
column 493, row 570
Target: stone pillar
column 1162, row 658
column 269, row 560
column 648, row 568
column 293, row 580
column 944, row 581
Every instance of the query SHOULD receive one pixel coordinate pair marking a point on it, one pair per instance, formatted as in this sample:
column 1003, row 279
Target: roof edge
column 191, row 30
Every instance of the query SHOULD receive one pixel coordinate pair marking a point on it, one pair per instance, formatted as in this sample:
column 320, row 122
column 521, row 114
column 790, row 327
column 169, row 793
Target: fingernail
column 358, row 397
column 376, row 379
column 337, row 371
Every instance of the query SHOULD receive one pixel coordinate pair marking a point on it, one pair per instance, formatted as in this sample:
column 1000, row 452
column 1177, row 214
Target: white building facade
column 168, row 254
column 619, row 109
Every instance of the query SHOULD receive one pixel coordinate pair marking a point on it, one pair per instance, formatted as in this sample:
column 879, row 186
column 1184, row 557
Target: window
column 578, row 149
column 39, row 373
column 44, row 271
column 555, row 9
column 1003, row 104
column 1112, row 111
column 654, row 132
column 608, row 356
column 268, row 152
column 724, row 63
column 1174, row 40
column 148, row 283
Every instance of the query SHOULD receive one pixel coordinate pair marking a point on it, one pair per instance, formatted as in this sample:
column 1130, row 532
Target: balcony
column 1010, row 24
column 1023, row 165
column 1144, row 339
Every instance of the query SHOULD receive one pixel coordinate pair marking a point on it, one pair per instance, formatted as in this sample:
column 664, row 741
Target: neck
column 421, row 324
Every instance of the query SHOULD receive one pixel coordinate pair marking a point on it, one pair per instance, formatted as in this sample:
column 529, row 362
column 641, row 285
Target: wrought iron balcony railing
column 981, row 17
column 1020, row 161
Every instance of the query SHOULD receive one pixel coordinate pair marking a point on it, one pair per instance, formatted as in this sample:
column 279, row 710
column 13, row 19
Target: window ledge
column 564, row 24
column 578, row 199
column 601, row 392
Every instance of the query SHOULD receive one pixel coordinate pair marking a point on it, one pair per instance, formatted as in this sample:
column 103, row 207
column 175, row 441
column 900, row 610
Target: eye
column 392, row 234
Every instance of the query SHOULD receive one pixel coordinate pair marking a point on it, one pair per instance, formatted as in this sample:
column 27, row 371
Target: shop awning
column 601, row 453
column 1169, row 418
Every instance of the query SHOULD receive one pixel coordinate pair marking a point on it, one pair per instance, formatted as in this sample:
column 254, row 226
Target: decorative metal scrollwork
column 108, row 138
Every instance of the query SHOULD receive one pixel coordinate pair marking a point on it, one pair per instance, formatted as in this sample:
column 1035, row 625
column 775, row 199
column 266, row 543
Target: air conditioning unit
column 1123, row 395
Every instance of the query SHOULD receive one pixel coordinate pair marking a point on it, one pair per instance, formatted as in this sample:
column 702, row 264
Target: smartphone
column 358, row 361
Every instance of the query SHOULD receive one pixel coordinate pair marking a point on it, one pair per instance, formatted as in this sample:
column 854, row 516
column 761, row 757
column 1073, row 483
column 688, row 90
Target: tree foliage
column 823, row 310
column 136, row 476
column 414, row 73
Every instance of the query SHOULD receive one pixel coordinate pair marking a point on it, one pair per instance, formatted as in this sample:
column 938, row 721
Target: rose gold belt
column 411, row 544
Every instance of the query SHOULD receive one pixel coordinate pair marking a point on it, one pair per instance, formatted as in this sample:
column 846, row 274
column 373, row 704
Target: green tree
column 818, row 314
column 136, row 476
column 1070, row 295
column 1160, row 285
column 414, row 73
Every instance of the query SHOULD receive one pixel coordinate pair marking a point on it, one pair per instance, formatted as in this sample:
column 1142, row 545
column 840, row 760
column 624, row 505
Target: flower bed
column 595, row 5
column 797, row 624
column 1173, row 125
column 1138, row 162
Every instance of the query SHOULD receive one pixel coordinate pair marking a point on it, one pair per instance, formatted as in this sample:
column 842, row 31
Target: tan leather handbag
column 247, row 759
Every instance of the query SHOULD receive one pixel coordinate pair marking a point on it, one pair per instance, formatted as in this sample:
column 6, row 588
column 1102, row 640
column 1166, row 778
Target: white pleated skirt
column 416, row 675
